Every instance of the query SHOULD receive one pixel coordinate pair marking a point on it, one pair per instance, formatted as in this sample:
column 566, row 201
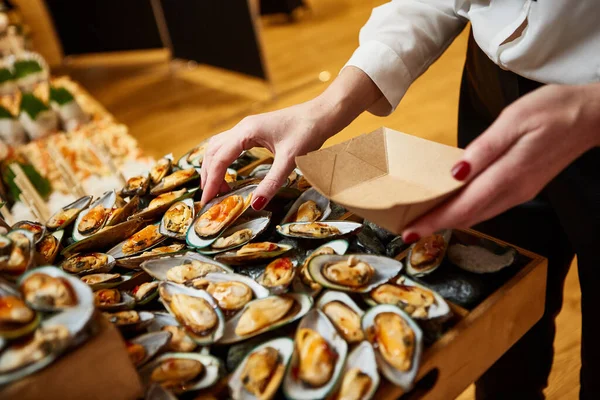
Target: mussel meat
column 94, row 279
column 166, row 198
column 316, row 358
column 33, row 227
column 213, row 220
column 141, row 292
column 412, row 299
column 255, row 248
column 190, row 270
column 85, row 263
column 263, row 313
column 141, row 240
column 279, row 272
column 428, row 252
column 47, row 248
column 197, row 154
column 178, row 177
column 41, row 290
column 305, row 276
column 230, row 296
column 93, row 220
column 137, row 185
column 62, row 216
column 180, row 341
column 178, row 218
column 176, row 373
column 355, row 385
column 21, row 253
column 14, row 313
column 107, row 297
column 124, row 317
column 345, row 319
column 44, row 342
column 350, row 272
column 262, row 372
column 314, row 229
column 160, row 170
column 308, row 212
column 237, row 238
column 172, row 248
column 394, row 339
column 195, row 313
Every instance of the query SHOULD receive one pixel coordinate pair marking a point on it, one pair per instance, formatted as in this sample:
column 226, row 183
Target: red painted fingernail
column 411, row 237
column 259, row 203
column 461, row 170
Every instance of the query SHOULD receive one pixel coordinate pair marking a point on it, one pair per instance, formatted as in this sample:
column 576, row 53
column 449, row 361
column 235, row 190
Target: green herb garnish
column 60, row 95
column 32, row 105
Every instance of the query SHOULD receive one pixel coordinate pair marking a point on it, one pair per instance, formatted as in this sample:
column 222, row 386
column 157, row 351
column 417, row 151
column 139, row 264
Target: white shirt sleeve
column 400, row 41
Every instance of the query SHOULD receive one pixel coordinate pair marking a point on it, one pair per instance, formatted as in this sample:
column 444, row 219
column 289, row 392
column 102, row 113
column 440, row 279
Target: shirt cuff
column 386, row 70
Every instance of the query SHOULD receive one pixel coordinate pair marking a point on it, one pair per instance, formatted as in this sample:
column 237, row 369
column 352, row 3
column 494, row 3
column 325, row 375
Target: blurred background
column 175, row 72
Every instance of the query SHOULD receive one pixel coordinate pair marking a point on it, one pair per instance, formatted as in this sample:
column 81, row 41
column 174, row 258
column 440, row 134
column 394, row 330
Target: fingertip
column 259, row 203
column 461, row 170
column 410, row 237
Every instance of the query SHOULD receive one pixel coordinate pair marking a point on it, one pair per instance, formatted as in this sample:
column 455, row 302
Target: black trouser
column 562, row 221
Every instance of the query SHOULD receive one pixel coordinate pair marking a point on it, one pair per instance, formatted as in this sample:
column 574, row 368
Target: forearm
column 350, row 94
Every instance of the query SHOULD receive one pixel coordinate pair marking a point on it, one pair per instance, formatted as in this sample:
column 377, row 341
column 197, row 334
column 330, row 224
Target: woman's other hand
column 531, row 142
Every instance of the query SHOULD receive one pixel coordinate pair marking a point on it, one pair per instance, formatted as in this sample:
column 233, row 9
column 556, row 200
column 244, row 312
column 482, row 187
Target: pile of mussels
column 293, row 301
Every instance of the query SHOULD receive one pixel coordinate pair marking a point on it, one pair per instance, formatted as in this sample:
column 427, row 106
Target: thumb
column 489, row 146
column 277, row 175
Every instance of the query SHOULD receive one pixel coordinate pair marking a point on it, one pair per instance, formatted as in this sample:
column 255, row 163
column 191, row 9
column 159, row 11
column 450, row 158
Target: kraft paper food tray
column 385, row 176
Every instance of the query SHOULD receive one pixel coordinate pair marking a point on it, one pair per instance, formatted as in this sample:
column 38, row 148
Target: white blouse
column 550, row 41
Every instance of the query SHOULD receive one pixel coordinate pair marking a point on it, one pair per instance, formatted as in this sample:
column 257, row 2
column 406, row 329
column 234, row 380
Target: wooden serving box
column 480, row 336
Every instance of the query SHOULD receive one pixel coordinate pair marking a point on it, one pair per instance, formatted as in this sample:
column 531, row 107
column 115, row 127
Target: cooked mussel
column 426, row 255
column 235, row 239
column 261, row 372
column 45, row 292
column 47, row 248
column 254, row 252
column 335, row 247
column 102, row 281
column 350, row 272
column 21, row 255
column 113, row 300
column 278, row 275
column 175, row 180
column 262, row 313
column 93, row 220
column 319, row 230
column 360, row 377
column 180, row 341
column 38, row 230
column 345, row 315
column 88, row 263
column 63, row 217
column 122, row 210
column 136, row 186
column 166, row 199
column 182, row 268
column 178, row 219
column 140, row 241
column 193, row 309
column 191, row 270
column 317, row 358
column 16, row 318
column 145, row 292
column 143, row 348
column 311, row 206
column 160, row 170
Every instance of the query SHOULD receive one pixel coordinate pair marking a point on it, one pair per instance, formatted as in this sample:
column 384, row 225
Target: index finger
column 217, row 166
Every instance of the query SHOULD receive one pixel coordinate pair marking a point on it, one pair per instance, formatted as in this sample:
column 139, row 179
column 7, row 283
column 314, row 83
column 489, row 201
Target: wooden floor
column 169, row 108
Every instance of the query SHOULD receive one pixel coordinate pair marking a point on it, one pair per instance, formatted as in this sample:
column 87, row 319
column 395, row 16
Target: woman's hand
column 288, row 133
column 531, row 142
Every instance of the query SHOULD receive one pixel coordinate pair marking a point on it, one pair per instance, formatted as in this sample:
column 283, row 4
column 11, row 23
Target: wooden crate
column 480, row 336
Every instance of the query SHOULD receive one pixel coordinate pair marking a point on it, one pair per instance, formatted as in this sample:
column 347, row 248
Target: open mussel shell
column 212, row 367
column 47, row 248
column 159, row 205
column 152, row 343
column 285, row 348
column 161, row 169
column 260, row 171
column 183, row 343
column 6, row 246
column 128, row 326
column 170, row 289
column 481, row 260
column 136, row 186
column 66, row 215
column 127, row 302
column 120, row 214
column 302, row 304
column 404, row 379
column 158, row 268
column 50, row 289
column 427, row 254
column 325, row 230
column 384, row 269
column 22, row 256
column 141, row 241
column 195, row 155
column 177, row 179
column 339, row 247
column 177, row 219
column 322, row 203
column 257, row 226
column 134, row 262
column 233, row 258
column 38, row 230
column 343, row 312
column 8, row 303
column 293, row 387
column 90, row 263
column 438, row 310
column 106, row 238
column 278, row 275
column 81, row 231
column 104, row 280
column 362, row 359
column 199, row 242
column 145, row 293
column 259, row 291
